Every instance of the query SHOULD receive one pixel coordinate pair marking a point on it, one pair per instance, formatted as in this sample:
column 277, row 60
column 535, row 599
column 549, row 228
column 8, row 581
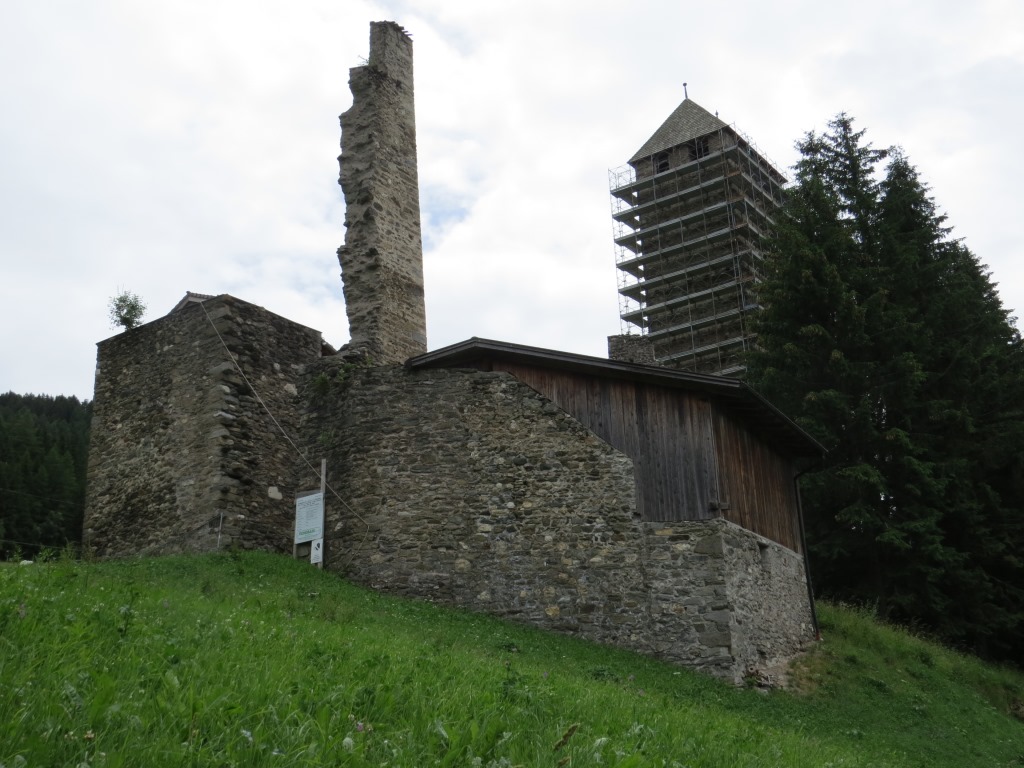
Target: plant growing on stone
column 126, row 310
column 321, row 384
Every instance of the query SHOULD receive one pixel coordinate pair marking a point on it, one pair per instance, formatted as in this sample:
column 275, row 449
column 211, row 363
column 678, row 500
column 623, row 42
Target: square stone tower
column 382, row 258
column 692, row 212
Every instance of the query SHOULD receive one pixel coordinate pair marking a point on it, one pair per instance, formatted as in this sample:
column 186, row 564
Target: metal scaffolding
column 689, row 229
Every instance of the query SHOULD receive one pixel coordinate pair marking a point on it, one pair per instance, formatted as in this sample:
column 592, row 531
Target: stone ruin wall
column 382, row 258
column 632, row 348
column 471, row 489
column 459, row 486
column 180, row 447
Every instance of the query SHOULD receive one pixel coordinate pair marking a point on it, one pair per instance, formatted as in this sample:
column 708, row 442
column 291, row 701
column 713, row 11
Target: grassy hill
column 257, row 660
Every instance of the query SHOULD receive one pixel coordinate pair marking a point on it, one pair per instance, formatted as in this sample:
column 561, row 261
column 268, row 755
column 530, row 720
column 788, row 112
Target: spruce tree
column 886, row 340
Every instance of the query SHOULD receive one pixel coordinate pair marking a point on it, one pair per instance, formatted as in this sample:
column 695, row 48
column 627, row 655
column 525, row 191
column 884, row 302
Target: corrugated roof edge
column 738, row 392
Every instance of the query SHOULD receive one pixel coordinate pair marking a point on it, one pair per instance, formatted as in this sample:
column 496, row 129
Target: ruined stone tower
column 382, row 258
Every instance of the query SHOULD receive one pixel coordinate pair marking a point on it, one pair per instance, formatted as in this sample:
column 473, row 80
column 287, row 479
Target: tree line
column 884, row 337
column 44, row 443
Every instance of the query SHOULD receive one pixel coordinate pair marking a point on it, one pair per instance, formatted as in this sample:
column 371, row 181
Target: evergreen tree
column 887, row 341
column 43, row 461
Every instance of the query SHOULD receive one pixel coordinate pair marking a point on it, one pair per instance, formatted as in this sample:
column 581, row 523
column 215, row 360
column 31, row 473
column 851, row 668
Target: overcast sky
column 163, row 147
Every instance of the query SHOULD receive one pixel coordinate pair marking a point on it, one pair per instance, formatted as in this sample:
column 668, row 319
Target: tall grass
column 256, row 660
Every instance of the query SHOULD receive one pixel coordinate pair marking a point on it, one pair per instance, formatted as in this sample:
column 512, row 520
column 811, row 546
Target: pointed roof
column 688, row 121
column 190, row 298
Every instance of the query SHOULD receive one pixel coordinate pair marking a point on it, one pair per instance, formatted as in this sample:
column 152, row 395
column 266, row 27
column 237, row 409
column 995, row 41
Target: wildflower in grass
column 22, row 611
column 248, row 735
column 347, row 744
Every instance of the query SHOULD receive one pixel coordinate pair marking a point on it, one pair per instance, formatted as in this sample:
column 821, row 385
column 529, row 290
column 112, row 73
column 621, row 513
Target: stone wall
column 471, row 489
column 382, row 259
column 723, row 599
column 769, row 596
column 632, row 348
column 181, row 449
column 461, row 486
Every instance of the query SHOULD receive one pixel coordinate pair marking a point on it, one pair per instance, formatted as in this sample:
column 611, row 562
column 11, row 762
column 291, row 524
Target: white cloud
column 192, row 145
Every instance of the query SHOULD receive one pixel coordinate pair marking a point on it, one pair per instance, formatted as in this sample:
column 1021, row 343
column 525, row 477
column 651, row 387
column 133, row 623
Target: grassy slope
column 258, row 660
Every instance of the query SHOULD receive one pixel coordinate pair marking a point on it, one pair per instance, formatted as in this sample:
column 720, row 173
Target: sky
column 161, row 147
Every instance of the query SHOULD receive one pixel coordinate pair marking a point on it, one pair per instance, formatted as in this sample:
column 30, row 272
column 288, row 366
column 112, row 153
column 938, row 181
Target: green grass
column 257, row 660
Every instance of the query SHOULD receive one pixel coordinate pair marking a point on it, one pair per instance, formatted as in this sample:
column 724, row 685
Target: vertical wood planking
column 686, row 451
column 663, row 430
column 757, row 483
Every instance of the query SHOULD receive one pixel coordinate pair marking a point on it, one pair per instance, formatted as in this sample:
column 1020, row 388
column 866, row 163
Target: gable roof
column 688, row 121
column 741, row 398
column 190, row 298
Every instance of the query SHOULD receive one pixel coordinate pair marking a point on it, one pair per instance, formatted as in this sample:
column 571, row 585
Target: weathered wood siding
column 667, row 433
column 692, row 460
column 756, row 483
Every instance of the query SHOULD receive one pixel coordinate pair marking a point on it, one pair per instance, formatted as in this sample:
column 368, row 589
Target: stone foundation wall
column 471, row 489
column 181, row 449
column 767, row 589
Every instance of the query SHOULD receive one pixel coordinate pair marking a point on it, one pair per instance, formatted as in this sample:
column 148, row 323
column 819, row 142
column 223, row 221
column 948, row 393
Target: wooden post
column 323, row 510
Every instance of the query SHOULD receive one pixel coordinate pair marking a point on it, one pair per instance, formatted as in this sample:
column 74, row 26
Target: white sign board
column 316, row 552
column 309, row 517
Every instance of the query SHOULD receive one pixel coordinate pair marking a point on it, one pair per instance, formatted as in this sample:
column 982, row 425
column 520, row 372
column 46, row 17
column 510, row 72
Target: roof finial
column 685, row 94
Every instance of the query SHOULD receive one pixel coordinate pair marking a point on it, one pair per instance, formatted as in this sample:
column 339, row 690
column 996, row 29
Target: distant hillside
column 44, row 445
column 257, row 660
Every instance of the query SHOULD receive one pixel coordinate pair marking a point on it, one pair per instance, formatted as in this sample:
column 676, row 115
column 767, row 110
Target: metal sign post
column 316, row 552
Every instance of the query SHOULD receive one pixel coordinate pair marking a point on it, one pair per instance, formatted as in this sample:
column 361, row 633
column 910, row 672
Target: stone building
column 180, row 437
column 624, row 503
column 691, row 210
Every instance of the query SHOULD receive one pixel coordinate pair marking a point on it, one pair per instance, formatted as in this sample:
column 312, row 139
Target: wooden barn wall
column 667, row 433
column 756, row 482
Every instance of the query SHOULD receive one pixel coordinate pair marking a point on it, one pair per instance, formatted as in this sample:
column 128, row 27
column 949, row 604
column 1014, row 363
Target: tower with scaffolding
column 691, row 211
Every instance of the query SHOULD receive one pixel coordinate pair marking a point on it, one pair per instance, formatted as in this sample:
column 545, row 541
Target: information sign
column 316, row 552
column 309, row 517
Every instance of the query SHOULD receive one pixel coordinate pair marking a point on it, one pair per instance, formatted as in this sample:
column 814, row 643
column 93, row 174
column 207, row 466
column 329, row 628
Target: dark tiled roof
column 749, row 403
column 688, row 121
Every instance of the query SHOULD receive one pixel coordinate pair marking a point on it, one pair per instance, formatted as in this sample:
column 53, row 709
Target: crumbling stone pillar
column 382, row 258
column 632, row 349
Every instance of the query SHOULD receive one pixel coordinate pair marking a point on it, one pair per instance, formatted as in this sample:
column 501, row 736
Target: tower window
column 661, row 162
